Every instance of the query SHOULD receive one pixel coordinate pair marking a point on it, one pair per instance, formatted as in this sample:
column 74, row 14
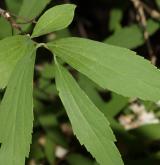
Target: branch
column 6, row 15
column 11, row 18
column 143, row 22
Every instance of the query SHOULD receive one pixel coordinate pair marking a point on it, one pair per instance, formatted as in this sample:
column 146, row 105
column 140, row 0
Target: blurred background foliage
column 136, row 123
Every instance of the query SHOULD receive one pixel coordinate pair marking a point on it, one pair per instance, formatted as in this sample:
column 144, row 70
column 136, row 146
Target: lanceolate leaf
column 114, row 68
column 16, row 116
column 11, row 50
column 89, row 124
column 56, row 18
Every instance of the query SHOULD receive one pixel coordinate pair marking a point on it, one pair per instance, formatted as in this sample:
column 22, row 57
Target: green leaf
column 57, row 137
column 49, row 150
column 115, row 19
column 6, row 29
column 158, row 2
column 89, row 124
column 11, row 50
column 115, row 105
column 31, row 10
column 89, row 87
column 13, row 5
column 148, row 132
column 56, row 18
column 114, row 68
column 77, row 159
column 120, row 37
column 36, row 152
column 48, row 71
column 48, row 120
column 16, row 113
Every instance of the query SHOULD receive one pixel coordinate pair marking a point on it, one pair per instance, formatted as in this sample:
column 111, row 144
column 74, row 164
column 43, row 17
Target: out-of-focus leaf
column 115, row 105
column 57, row 137
column 36, row 149
column 48, row 71
column 13, row 5
column 38, row 106
column 148, row 132
column 62, row 33
column 58, row 34
column 114, row 68
column 90, row 89
column 16, row 113
column 77, row 159
column 158, row 2
column 48, row 120
column 49, row 150
column 115, row 18
column 95, row 163
column 6, row 29
column 132, row 36
column 110, row 108
column 30, row 10
column 43, row 83
column 54, row 19
column 11, row 50
column 89, row 124
column 39, row 94
column 48, row 88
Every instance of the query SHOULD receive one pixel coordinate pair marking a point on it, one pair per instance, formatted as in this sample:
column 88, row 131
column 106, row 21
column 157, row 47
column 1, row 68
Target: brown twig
column 10, row 18
column 143, row 23
column 24, row 19
column 6, row 15
column 152, row 12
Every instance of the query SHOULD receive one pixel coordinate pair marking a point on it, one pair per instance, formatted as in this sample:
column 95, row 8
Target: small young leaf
column 56, row 18
column 16, row 113
column 89, row 124
column 114, row 68
column 11, row 50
